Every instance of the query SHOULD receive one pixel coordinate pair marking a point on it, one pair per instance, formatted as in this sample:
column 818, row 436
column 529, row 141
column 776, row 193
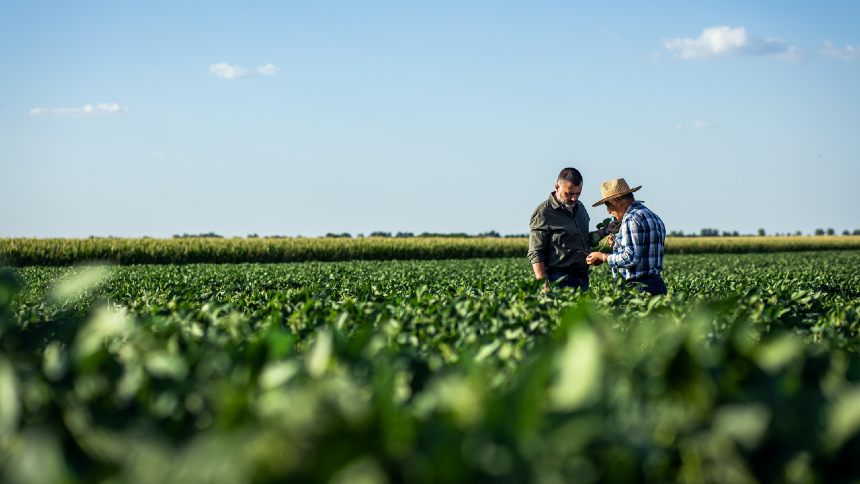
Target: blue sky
column 157, row 118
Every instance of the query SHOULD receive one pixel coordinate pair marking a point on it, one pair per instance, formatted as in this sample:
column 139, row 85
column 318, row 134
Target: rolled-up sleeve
column 625, row 254
column 539, row 238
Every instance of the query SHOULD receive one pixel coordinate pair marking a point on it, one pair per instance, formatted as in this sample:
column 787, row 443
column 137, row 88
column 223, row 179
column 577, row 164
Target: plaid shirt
column 639, row 244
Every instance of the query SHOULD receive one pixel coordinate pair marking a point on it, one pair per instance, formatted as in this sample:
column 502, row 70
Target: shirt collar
column 555, row 204
column 633, row 206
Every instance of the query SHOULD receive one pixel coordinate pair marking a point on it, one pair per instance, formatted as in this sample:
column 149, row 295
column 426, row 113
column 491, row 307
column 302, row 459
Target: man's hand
column 540, row 274
column 611, row 241
column 596, row 258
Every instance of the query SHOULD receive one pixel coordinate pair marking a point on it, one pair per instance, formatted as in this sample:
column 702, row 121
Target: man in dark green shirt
column 559, row 239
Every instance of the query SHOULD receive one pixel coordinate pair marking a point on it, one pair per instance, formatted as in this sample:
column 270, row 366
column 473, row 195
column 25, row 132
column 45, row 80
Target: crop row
column 58, row 252
column 431, row 371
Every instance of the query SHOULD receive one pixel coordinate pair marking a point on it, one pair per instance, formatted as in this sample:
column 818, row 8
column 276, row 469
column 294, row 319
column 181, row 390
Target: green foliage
column 603, row 244
column 429, row 371
column 605, row 222
column 379, row 246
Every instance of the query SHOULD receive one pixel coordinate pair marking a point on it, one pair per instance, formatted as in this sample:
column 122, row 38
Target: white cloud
column 268, row 70
column 87, row 110
column 228, row 71
column 725, row 41
column 695, row 125
column 848, row 53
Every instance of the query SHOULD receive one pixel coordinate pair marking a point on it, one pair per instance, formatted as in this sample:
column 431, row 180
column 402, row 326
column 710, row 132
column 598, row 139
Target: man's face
column 613, row 207
column 567, row 192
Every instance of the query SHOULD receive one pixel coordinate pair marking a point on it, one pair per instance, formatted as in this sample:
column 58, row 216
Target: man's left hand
column 595, row 258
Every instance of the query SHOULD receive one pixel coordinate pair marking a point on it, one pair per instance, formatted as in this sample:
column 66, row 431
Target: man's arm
column 539, row 240
column 597, row 235
column 540, row 270
column 627, row 254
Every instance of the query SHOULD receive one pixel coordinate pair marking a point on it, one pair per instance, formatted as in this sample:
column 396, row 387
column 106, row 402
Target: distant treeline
column 761, row 233
column 706, row 232
column 395, row 235
column 207, row 235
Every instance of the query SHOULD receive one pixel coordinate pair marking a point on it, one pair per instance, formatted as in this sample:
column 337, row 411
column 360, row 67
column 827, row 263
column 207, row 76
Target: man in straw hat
column 559, row 240
column 638, row 249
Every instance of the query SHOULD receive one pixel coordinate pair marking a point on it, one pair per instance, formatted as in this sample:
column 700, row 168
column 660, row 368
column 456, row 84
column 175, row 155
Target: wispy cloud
column 848, row 53
column 87, row 110
column 229, row 71
column 268, row 70
column 695, row 125
column 725, row 41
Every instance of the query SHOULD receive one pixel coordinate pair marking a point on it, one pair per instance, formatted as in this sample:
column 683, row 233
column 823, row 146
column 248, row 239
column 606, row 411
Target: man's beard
column 564, row 203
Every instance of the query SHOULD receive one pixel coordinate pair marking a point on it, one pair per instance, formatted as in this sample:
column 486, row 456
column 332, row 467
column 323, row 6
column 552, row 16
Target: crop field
column 24, row 252
column 431, row 371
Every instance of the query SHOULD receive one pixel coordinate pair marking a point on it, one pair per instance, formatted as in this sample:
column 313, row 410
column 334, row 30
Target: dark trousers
column 563, row 277
column 649, row 283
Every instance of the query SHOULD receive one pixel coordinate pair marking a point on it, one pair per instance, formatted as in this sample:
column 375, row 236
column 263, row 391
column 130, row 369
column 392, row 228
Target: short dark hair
column 571, row 175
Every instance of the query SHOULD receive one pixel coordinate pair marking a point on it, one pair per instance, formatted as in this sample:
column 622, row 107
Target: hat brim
column 616, row 195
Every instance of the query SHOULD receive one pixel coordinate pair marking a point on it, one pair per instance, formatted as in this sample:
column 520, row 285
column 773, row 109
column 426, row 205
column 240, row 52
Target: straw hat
column 614, row 189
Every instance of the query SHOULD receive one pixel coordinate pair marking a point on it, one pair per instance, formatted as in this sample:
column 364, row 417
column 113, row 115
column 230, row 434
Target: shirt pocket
column 560, row 245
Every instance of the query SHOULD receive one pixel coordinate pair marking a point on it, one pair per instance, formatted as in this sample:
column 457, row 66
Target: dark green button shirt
column 559, row 238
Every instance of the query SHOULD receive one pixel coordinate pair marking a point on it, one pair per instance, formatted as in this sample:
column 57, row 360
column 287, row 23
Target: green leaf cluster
column 428, row 371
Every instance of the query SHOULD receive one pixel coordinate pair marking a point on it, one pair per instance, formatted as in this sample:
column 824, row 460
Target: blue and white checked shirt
column 639, row 244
